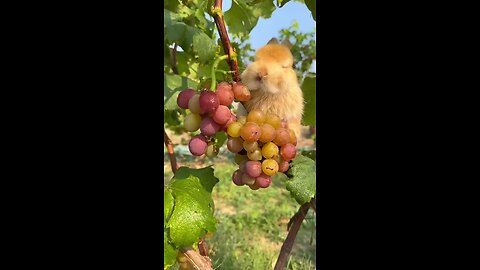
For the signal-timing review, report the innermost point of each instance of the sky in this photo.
(281, 18)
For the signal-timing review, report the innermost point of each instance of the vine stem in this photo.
(296, 222)
(171, 153)
(216, 12)
(198, 261)
(214, 67)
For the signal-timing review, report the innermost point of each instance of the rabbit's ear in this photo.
(273, 41)
(287, 43)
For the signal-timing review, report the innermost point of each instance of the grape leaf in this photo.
(302, 179)
(169, 252)
(281, 3)
(312, 6)
(188, 37)
(167, 205)
(242, 16)
(221, 138)
(192, 216)
(309, 87)
(172, 85)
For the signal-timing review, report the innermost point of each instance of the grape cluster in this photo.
(210, 112)
(263, 145)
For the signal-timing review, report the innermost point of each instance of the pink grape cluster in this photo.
(263, 144)
(210, 112)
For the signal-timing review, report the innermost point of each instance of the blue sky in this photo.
(281, 18)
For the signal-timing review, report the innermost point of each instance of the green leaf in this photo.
(192, 216)
(188, 37)
(310, 154)
(281, 3)
(242, 16)
(312, 6)
(167, 205)
(221, 138)
(302, 179)
(309, 87)
(169, 252)
(172, 85)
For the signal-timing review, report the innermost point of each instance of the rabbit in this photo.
(273, 85)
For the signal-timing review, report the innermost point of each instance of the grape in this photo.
(198, 145)
(263, 180)
(284, 124)
(208, 127)
(240, 158)
(242, 119)
(254, 186)
(255, 155)
(269, 167)
(253, 168)
(247, 180)
(184, 97)
(250, 146)
(194, 104)
(269, 150)
(224, 93)
(233, 129)
(237, 178)
(192, 122)
(243, 166)
(241, 92)
(282, 136)
(283, 165)
(212, 150)
(267, 133)
(288, 151)
(222, 115)
(256, 116)
(208, 101)
(293, 137)
(232, 119)
(235, 145)
(273, 120)
(250, 132)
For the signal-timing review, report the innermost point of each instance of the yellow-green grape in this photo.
(250, 146)
(192, 122)
(233, 130)
(269, 167)
(256, 116)
(242, 119)
(194, 104)
(269, 150)
(273, 120)
(255, 155)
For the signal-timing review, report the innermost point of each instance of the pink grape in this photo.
(235, 145)
(208, 101)
(237, 178)
(225, 93)
(208, 127)
(184, 97)
(288, 151)
(247, 179)
(263, 180)
(222, 115)
(232, 119)
(283, 165)
(198, 145)
(253, 168)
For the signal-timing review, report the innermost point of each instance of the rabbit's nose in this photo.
(261, 75)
